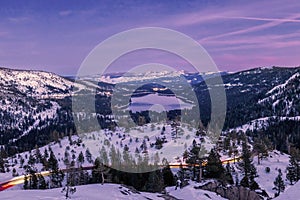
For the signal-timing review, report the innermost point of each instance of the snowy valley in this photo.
(258, 146)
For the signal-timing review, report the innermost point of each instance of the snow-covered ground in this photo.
(172, 150)
(87, 192)
(275, 161)
(291, 193)
(93, 141)
(189, 192)
(109, 192)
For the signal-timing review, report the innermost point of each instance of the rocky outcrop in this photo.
(231, 192)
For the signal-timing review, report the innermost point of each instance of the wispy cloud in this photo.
(266, 19)
(65, 12)
(268, 31)
(273, 23)
(254, 39)
(19, 19)
(200, 17)
(79, 12)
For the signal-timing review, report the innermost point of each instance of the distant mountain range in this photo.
(34, 104)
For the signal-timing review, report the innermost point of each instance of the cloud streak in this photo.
(64, 34)
(267, 19)
(270, 24)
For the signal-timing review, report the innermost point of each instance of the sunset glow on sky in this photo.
(56, 36)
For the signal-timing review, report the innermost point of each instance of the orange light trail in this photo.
(20, 179)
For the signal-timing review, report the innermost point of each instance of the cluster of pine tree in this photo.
(293, 170)
(249, 170)
(132, 171)
(33, 179)
(279, 185)
(200, 167)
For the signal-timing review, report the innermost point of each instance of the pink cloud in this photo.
(253, 28)
(266, 19)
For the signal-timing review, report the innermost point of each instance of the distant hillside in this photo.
(35, 104)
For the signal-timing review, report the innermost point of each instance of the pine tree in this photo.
(104, 157)
(237, 181)
(167, 174)
(214, 167)
(80, 158)
(181, 174)
(88, 156)
(14, 172)
(26, 183)
(56, 176)
(83, 177)
(70, 175)
(279, 184)
(136, 151)
(3, 153)
(46, 154)
(53, 163)
(33, 180)
(194, 159)
(38, 155)
(99, 172)
(245, 181)
(41, 182)
(21, 162)
(155, 182)
(31, 160)
(72, 178)
(227, 177)
(144, 147)
(2, 162)
(127, 163)
(112, 155)
(260, 148)
(67, 158)
(249, 170)
(293, 170)
(145, 164)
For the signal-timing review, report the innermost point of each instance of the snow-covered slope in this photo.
(193, 78)
(129, 77)
(291, 193)
(30, 100)
(110, 192)
(284, 98)
(284, 85)
(189, 192)
(264, 122)
(275, 161)
(34, 83)
(134, 139)
(86, 192)
(276, 100)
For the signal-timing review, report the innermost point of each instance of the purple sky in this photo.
(56, 35)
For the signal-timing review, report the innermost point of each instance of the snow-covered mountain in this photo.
(29, 101)
(35, 110)
(115, 78)
(35, 84)
(29, 98)
(284, 98)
